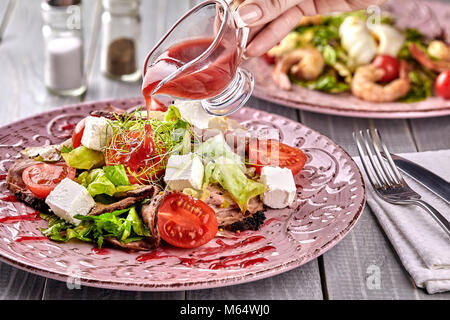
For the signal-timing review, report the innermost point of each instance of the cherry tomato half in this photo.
(42, 178)
(266, 152)
(442, 84)
(389, 64)
(186, 222)
(78, 133)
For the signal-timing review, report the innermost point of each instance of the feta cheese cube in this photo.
(280, 186)
(97, 133)
(184, 171)
(193, 112)
(69, 199)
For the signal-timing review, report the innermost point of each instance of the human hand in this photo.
(271, 20)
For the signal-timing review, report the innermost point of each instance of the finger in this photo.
(329, 6)
(274, 32)
(363, 4)
(253, 13)
(308, 7)
(254, 32)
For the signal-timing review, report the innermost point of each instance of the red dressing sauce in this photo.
(199, 82)
(100, 251)
(269, 221)
(69, 126)
(9, 199)
(241, 260)
(31, 238)
(24, 217)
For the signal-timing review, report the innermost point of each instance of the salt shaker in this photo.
(63, 37)
(120, 39)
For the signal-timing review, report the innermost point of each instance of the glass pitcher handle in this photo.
(243, 32)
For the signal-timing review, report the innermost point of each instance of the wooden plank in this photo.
(347, 267)
(300, 283)
(431, 133)
(16, 284)
(56, 290)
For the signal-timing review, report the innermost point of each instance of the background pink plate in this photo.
(431, 18)
(330, 199)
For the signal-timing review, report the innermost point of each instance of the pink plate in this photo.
(330, 199)
(431, 18)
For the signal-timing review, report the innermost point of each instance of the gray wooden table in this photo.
(341, 273)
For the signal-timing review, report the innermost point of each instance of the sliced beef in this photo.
(229, 216)
(16, 185)
(144, 192)
(217, 197)
(131, 198)
(146, 244)
(220, 199)
(149, 213)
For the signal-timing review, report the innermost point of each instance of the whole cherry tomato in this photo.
(390, 66)
(442, 84)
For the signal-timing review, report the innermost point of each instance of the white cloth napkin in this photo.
(421, 244)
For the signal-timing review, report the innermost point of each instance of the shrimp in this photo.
(426, 61)
(305, 63)
(365, 86)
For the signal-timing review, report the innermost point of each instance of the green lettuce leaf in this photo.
(62, 231)
(327, 82)
(226, 168)
(84, 158)
(124, 225)
(229, 176)
(121, 190)
(216, 147)
(96, 182)
(137, 224)
(113, 224)
(172, 114)
(421, 86)
(117, 175)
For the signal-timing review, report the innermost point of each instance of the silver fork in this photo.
(385, 177)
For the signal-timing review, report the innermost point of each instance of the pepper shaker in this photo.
(64, 53)
(120, 39)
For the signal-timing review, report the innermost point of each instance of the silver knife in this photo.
(425, 177)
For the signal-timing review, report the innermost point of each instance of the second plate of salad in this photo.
(387, 62)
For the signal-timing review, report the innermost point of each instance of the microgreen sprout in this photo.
(129, 133)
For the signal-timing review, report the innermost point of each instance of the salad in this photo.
(375, 62)
(136, 179)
